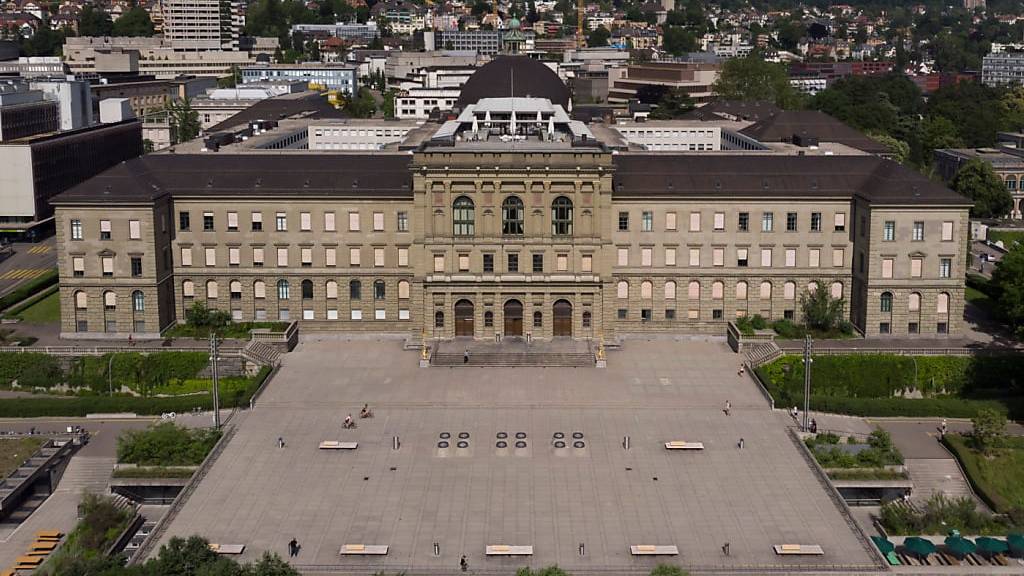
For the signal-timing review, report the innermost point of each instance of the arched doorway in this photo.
(513, 312)
(562, 318)
(464, 318)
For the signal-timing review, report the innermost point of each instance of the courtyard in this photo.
(600, 496)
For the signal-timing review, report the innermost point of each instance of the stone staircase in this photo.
(934, 475)
(261, 353)
(511, 358)
(762, 353)
(86, 474)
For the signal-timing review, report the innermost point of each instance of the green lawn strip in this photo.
(154, 472)
(867, 474)
(1007, 236)
(19, 294)
(234, 330)
(999, 479)
(45, 310)
(14, 452)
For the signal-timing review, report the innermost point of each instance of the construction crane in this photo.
(581, 41)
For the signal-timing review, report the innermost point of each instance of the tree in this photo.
(678, 40)
(549, 571)
(134, 22)
(388, 107)
(598, 37)
(752, 78)
(989, 428)
(361, 105)
(977, 181)
(668, 570)
(674, 103)
(822, 311)
(1008, 289)
(183, 120)
(938, 132)
(899, 149)
(94, 22)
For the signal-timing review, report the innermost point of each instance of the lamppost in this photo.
(214, 352)
(110, 375)
(807, 380)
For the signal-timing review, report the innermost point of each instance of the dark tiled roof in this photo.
(248, 175)
(875, 179)
(527, 76)
(782, 126)
(719, 109)
(309, 105)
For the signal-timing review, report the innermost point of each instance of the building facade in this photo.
(332, 77)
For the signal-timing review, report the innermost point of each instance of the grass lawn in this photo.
(997, 478)
(14, 451)
(45, 311)
(1007, 236)
(978, 298)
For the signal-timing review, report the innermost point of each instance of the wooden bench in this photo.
(28, 562)
(653, 550)
(337, 445)
(232, 549)
(798, 550)
(680, 445)
(9, 572)
(506, 550)
(49, 535)
(37, 553)
(48, 546)
(364, 550)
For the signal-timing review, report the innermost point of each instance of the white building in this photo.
(357, 135)
(808, 85)
(73, 98)
(675, 136)
(418, 102)
(196, 25)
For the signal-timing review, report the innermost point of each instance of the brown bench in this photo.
(798, 550)
(232, 549)
(364, 550)
(337, 445)
(680, 445)
(653, 550)
(506, 550)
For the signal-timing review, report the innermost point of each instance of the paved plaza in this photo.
(602, 496)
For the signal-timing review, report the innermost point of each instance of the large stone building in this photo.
(511, 219)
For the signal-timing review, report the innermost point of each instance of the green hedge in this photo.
(139, 372)
(16, 310)
(48, 279)
(30, 369)
(166, 444)
(917, 408)
(82, 405)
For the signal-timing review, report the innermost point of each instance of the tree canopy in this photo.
(598, 37)
(1008, 289)
(752, 78)
(134, 22)
(94, 22)
(979, 182)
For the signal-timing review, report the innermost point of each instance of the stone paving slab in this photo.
(605, 497)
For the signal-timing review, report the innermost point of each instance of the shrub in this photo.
(30, 369)
(668, 570)
(48, 279)
(166, 444)
(989, 428)
(199, 316)
(759, 323)
(940, 515)
(787, 330)
(549, 571)
(821, 311)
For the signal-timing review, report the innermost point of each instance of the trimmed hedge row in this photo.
(28, 303)
(82, 405)
(918, 408)
(48, 279)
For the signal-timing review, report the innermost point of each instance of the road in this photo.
(29, 261)
(979, 264)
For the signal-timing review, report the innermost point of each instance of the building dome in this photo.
(514, 76)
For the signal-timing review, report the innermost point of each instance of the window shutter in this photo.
(329, 221)
(330, 257)
(305, 221)
(233, 256)
(232, 219)
(78, 264)
(211, 256)
(108, 265)
(134, 230)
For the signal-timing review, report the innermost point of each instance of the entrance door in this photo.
(464, 318)
(562, 317)
(513, 312)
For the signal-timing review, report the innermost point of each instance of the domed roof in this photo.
(527, 76)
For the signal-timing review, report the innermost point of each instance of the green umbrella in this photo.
(959, 546)
(991, 546)
(884, 545)
(1016, 543)
(918, 546)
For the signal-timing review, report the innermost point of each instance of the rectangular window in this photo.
(562, 262)
(234, 256)
(719, 223)
(815, 221)
(281, 222)
(329, 224)
(889, 231)
(232, 221)
(717, 314)
(718, 256)
(942, 328)
(766, 257)
(912, 328)
(330, 257)
(134, 230)
(538, 263)
(863, 225)
(257, 221)
(378, 257)
(743, 223)
(884, 328)
(694, 221)
(918, 232)
(78, 266)
(623, 221)
(257, 257)
(353, 221)
(587, 263)
(814, 258)
(621, 313)
(945, 267)
(353, 256)
(438, 262)
(790, 221)
(694, 256)
(623, 257)
(646, 221)
(645, 256)
(356, 315)
(838, 256)
(915, 267)
(104, 229)
(790, 257)
(646, 314)
(208, 221)
(186, 255)
(741, 257)
(403, 222)
(306, 257)
(513, 262)
(887, 268)
(670, 221)
(378, 221)
(305, 221)
(136, 263)
(670, 256)
(282, 257)
(670, 314)
(947, 231)
(840, 221)
(184, 222)
(211, 256)
(488, 262)
(108, 265)
(767, 221)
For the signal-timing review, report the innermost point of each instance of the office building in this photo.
(338, 77)
(200, 25)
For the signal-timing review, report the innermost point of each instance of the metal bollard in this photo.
(437, 549)
(395, 443)
(582, 549)
(625, 442)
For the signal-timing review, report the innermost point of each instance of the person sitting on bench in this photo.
(366, 412)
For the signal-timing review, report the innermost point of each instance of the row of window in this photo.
(306, 289)
(916, 264)
(109, 299)
(106, 230)
(742, 257)
(305, 221)
(305, 257)
(512, 262)
(106, 266)
(917, 231)
(885, 302)
(718, 290)
(742, 221)
(512, 212)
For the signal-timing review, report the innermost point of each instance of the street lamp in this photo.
(214, 346)
(110, 374)
(807, 379)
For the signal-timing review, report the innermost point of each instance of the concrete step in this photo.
(569, 359)
(87, 474)
(935, 475)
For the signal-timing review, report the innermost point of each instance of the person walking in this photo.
(465, 356)
(280, 442)
(725, 548)
(293, 548)
(463, 563)
(728, 408)
(741, 371)
(740, 444)
(942, 429)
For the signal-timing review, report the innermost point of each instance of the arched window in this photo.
(488, 319)
(81, 301)
(942, 304)
(355, 290)
(622, 289)
(438, 319)
(646, 290)
(812, 287)
(766, 290)
(307, 289)
(741, 290)
(463, 217)
(282, 289)
(188, 289)
(512, 216)
(586, 319)
(379, 292)
(259, 289)
(538, 319)
(837, 290)
(332, 289)
(914, 302)
(211, 289)
(693, 290)
(561, 216)
(403, 290)
(789, 291)
(885, 302)
(235, 287)
(717, 290)
(670, 290)
(109, 300)
(1011, 182)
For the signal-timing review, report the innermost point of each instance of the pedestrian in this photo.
(293, 548)
(728, 408)
(741, 371)
(463, 563)
(130, 341)
(794, 413)
(725, 548)
(280, 442)
(740, 444)
(942, 428)
(465, 356)
(814, 426)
